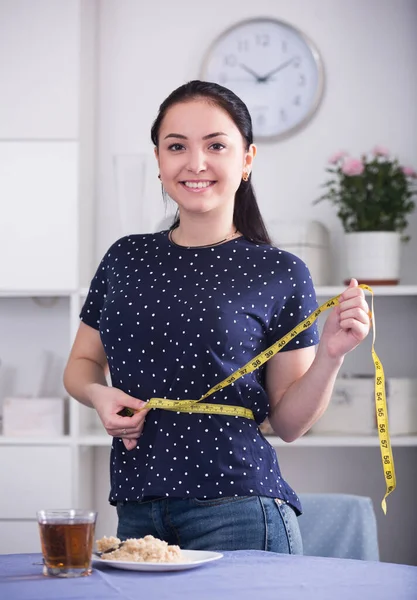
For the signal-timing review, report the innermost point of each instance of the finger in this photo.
(351, 292)
(353, 283)
(355, 313)
(356, 328)
(128, 436)
(115, 424)
(130, 444)
(128, 422)
(356, 302)
(131, 402)
(126, 432)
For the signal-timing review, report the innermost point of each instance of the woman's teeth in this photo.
(195, 184)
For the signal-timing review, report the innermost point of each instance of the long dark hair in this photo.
(246, 216)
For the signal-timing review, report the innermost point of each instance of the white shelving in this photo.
(64, 440)
(382, 290)
(86, 447)
(84, 427)
(332, 441)
(308, 441)
(36, 293)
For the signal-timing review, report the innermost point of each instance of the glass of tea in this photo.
(67, 541)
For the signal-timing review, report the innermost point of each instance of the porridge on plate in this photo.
(146, 549)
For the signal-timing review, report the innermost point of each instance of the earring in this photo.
(245, 175)
(159, 176)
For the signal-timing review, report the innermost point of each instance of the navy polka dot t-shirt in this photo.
(175, 321)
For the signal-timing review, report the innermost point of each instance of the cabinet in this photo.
(39, 230)
(47, 127)
(46, 143)
(72, 470)
(39, 78)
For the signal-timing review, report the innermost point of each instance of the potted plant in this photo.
(373, 196)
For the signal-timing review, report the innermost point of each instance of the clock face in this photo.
(274, 69)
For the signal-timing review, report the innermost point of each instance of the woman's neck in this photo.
(203, 231)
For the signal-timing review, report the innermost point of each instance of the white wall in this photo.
(369, 48)
(146, 49)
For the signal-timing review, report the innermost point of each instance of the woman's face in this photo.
(201, 156)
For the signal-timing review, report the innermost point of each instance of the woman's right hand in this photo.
(108, 401)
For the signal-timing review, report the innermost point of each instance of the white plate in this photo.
(193, 558)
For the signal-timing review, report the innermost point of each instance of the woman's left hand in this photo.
(348, 323)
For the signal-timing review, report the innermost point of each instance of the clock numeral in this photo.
(301, 79)
(284, 46)
(243, 46)
(297, 101)
(260, 120)
(283, 115)
(222, 78)
(230, 60)
(262, 39)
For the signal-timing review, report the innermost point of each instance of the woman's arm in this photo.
(86, 365)
(84, 380)
(300, 382)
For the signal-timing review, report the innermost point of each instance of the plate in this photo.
(193, 558)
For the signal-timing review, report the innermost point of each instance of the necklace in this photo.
(229, 237)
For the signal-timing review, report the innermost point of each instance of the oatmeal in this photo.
(146, 549)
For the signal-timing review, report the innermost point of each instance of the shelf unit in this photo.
(86, 430)
(308, 441)
(329, 291)
(83, 452)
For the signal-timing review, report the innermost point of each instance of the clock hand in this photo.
(282, 66)
(248, 70)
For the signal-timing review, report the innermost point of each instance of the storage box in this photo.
(309, 240)
(33, 416)
(402, 405)
(352, 408)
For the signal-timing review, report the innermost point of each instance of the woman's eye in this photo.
(217, 146)
(176, 147)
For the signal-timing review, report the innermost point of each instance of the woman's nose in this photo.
(197, 162)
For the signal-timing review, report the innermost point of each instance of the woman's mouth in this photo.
(197, 186)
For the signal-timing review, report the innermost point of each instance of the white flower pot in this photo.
(373, 257)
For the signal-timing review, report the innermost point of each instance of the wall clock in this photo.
(274, 68)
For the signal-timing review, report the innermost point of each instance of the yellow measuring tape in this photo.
(197, 406)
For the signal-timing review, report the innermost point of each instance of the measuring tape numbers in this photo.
(197, 406)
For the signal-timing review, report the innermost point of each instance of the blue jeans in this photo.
(235, 523)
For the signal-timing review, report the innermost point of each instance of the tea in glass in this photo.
(67, 538)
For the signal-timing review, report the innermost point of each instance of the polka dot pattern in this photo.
(175, 321)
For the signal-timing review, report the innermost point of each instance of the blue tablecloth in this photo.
(240, 575)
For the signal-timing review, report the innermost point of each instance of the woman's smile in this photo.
(197, 186)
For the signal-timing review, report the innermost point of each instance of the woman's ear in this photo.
(250, 155)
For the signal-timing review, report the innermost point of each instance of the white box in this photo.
(309, 240)
(402, 406)
(39, 226)
(352, 408)
(33, 416)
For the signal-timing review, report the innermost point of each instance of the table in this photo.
(240, 575)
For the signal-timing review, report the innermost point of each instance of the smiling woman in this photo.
(204, 145)
(176, 312)
(202, 172)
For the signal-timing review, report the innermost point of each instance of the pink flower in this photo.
(353, 166)
(380, 151)
(409, 172)
(337, 156)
